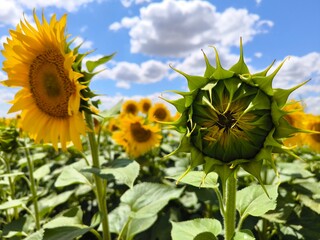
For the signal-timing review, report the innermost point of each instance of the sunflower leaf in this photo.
(91, 65)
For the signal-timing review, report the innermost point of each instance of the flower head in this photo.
(159, 112)
(136, 136)
(39, 60)
(232, 118)
(130, 107)
(145, 104)
(313, 140)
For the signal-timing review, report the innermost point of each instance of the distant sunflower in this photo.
(313, 140)
(159, 112)
(39, 60)
(130, 107)
(113, 125)
(136, 136)
(145, 104)
(296, 117)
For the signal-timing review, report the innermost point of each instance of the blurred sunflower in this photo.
(159, 112)
(136, 136)
(130, 107)
(313, 140)
(145, 104)
(113, 125)
(39, 60)
(296, 117)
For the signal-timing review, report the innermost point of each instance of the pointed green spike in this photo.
(264, 72)
(240, 67)
(209, 68)
(220, 73)
(194, 82)
(179, 104)
(285, 130)
(254, 168)
(264, 83)
(282, 95)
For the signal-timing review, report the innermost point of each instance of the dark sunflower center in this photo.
(50, 84)
(131, 108)
(160, 114)
(139, 133)
(226, 121)
(316, 137)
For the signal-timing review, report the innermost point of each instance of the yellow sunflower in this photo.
(39, 60)
(136, 136)
(159, 112)
(313, 140)
(130, 107)
(297, 118)
(145, 104)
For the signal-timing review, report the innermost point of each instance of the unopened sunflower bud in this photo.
(232, 118)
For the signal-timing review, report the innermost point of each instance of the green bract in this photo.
(232, 118)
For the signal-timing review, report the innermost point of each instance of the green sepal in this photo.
(194, 82)
(220, 73)
(184, 146)
(179, 125)
(91, 65)
(179, 104)
(209, 68)
(264, 72)
(240, 67)
(188, 96)
(281, 95)
(254, 168)
(285, 129)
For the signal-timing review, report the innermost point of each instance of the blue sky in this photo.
(149, 35)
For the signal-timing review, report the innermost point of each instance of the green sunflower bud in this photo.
(232, 118)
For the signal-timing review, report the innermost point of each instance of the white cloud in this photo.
(84, 44)
(258, 54)
(176, 28)
(10, 13)
(126, 73)
(128, 3)
(126, 22)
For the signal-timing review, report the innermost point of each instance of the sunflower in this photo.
(296, 117)
(136, 136)
(313, 140)
(130, 107)
(145, 104)
(159, 112)
(39, 60)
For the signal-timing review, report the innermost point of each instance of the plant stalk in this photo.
(33, 188)
(230, 207)
(100, 184)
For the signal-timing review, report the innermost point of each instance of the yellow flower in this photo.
(136, 136)
(296, 118)
(159, 112)
(130, 107)
(313, 140)
(145, 104)
(113, 125)
(39, 60)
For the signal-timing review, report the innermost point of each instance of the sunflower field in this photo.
(236, 159)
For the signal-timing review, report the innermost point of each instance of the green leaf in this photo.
(125, 171)
(91, 65)
(199, 179)
(147, 199)
(254, 201)
(42, 171)
(47, 204)
(138, 225)
(11, 204)
(313, 204)
(36, 236)
(205, 236)
(189, 230)
(243, 235)
(66, 232)
(70, 176)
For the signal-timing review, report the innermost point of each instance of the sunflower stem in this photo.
(230, 207)
(100, 190)
(33, 189)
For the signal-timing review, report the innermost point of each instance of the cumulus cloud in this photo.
(84, 44)
(10, 13)
(126, 73)
(176, 28)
